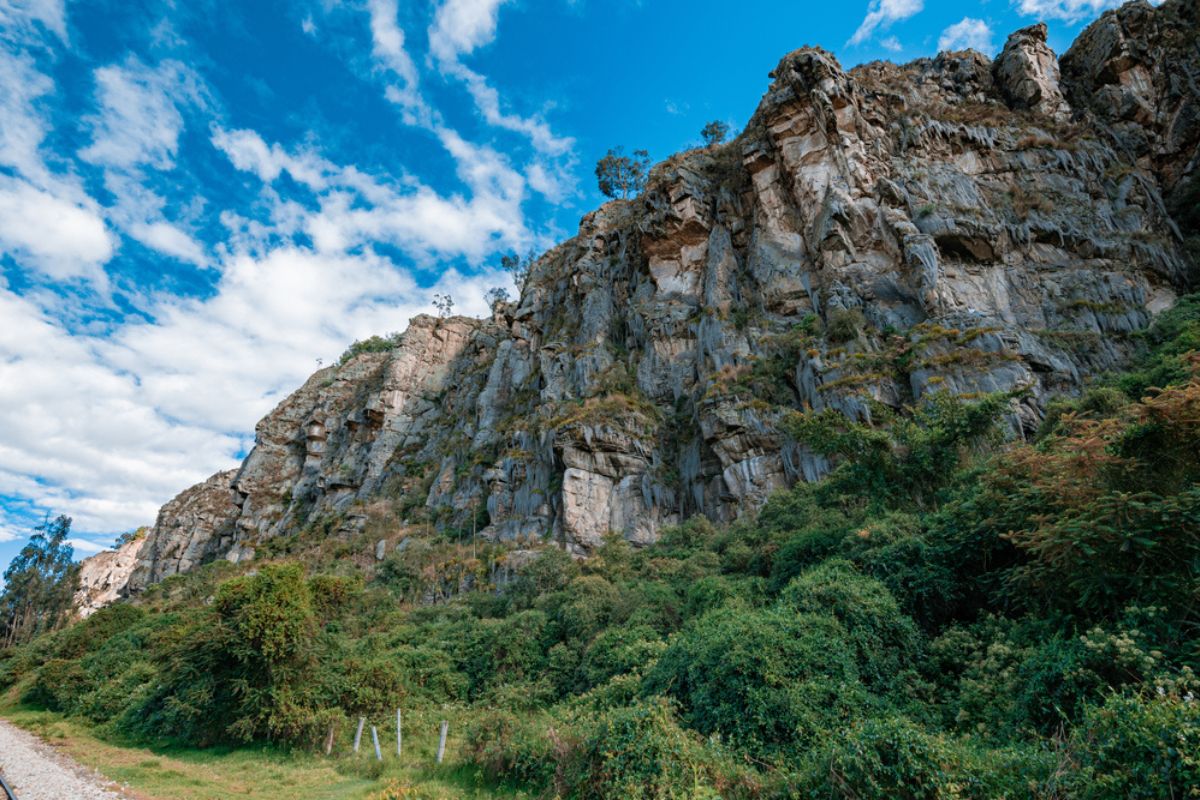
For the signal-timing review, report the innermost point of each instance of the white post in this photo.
(375, 741)
(442, 741)
(358, 733)
(399, 735)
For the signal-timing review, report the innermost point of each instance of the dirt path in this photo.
(36, 772)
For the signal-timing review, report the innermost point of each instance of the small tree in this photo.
(495, 296)
(714, 132)
(39, 584)
(444, 304)
(620, 175)
(513, 265)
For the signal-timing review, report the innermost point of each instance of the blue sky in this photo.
(199, 200)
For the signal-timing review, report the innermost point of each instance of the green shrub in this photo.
(765, 680)
(531, 752)
(1137, 747)
(57, 685)
(617, 651)
(372, 344)
(641, 753)
(844, 325)
(891, 757)
(885, 642)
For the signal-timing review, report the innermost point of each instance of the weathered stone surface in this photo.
(1027, 73)
(873, 236)
(103, 577)
(194, 528)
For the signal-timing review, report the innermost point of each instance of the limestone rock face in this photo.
(872, 237)
(192, 529)
(1027, 73)
(103, 577)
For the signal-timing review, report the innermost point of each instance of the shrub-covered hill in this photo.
(947, 615)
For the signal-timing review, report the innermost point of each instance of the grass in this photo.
(256, 772)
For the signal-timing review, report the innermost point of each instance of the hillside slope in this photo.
(872, 237)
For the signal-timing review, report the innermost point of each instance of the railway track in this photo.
(9, 794)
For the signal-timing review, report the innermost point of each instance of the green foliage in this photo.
(885, 642)
(766, 680)
(1137, 747)
(714, 132)
(619, 175)
(892, 757)
(529, 751)
(39, 584)
(844, 325)
(642, 753)
(1172, 339)
(907, 458)
(372, 344)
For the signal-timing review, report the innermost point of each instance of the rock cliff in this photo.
(103, 577)
(874, 235)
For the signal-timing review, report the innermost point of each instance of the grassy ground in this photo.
(259, 773)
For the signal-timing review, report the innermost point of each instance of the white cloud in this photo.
(169, 240)
(135, 133)
(967, 33)
(24, 128)
(249, 153)
(56, 236)
(18, 17)
(459, 28)
(881, 14)
(354, 208)
(106, 429)
(462, 26)
(1069, 11)
(891, 44)
(387, 38)
(139, 121)
(85, 546)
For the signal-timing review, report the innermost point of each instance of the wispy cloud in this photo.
(387, 39)
(46, 218)
(968, 32)
(21, 18)
(881, 14)
(1069, 11)
(135, 133)
(459, 28)
(86, 546)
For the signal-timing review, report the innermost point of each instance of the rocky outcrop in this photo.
(194, 528)
(872, 237)
(104, 576)
(1026, 71)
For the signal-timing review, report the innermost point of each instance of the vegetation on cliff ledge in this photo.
(945, 616)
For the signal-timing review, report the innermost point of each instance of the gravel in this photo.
(36, 772)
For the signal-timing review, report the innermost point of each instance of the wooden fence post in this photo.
(442, 741)
(358, 733)
(329, 740)
(375, 741)
(399, 735)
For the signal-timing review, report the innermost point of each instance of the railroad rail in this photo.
(8, 792)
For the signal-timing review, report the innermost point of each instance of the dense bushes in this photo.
(946, 616)
(766, 680)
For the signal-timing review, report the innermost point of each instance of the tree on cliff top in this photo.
(714, 132)
(620, 175)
